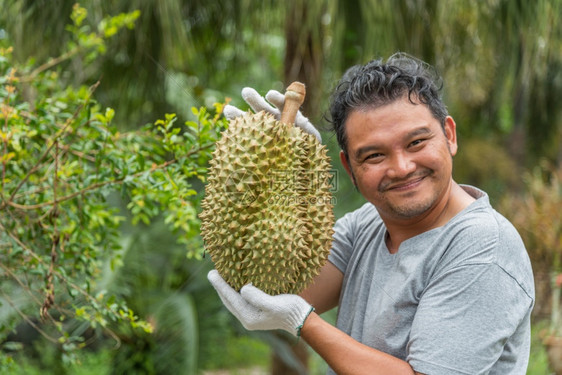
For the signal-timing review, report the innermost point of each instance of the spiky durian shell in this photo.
(267, 214)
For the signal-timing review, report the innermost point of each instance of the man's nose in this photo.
(401, 165)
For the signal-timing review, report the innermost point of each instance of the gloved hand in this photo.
(258, 103)
(257, 310)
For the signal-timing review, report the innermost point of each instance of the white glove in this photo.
(258, 103)
(257, 310)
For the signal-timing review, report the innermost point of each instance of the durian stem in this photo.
(294, 97)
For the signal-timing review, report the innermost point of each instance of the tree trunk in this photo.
(304, 52)
(299, 365)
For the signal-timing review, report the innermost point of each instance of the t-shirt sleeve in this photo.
(342, 242)
(464, 319)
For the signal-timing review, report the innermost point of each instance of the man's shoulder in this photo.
(484, 224)
(483, 235)
(358, 228)
(367, 214)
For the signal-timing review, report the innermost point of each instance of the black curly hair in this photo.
(376, 84)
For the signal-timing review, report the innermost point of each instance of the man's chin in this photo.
(406, 210)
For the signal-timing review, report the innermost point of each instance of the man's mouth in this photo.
(410, 183)
(406, 185)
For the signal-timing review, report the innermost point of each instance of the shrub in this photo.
(60, 158)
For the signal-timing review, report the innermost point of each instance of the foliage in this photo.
(159, 283)
(484, 163)
(238, 352)
(538, 360)
(61, 156)
(235, 352)
(180, 54)
(536, 215)
(87, 363)
(556, 308)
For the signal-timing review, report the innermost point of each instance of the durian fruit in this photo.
(267, 214)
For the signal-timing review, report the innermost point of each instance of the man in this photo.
(428, 278)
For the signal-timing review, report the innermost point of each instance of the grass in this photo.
(87, 363)
(239, 352)
(538, 360)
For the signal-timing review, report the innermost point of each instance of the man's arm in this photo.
(257, 310)
(346, 355)
(324, 292)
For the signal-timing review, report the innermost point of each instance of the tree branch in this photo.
(29, 321)
(55, 273)
(85, 190)
(49, 64)
(53, 142)
(50, 289)
(23, 286)
(99, 185)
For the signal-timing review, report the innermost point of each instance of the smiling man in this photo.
(399, 156)
(427, 276)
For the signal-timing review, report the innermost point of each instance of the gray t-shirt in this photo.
(454, 300)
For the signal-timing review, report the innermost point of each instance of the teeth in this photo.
(267, 216)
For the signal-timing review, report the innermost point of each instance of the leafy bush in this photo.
(536, 215)
(60, 158)
(484, 163)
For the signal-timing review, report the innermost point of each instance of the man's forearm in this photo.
(346, 355)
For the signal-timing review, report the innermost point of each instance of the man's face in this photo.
(400, 158)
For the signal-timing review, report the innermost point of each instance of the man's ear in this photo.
(345, 162)
(451, 134)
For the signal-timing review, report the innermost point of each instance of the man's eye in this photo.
(373, 156)
(417, 142)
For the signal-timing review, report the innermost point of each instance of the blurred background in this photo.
(501, 61)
